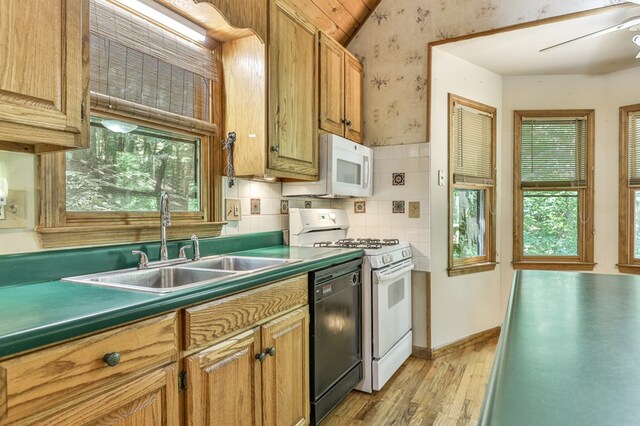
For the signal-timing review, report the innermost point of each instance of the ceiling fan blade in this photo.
(626, 24)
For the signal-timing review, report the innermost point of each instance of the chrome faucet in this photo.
(165, 220)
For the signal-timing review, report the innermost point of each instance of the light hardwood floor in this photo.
(446, 391)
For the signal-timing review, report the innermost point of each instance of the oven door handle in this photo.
(393, 275)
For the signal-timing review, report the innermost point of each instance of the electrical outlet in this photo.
(414, 209)
(232, 209)
(14, 214)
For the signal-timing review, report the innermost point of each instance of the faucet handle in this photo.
(196, 247)
(144, 259)
(182, 254)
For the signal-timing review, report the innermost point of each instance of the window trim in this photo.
(488, 261)
(627, 263)
(584, 260)
(57, 228)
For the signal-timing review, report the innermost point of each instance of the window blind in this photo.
(634, 149)
(472, 136)
(143, 71)
(553, 152)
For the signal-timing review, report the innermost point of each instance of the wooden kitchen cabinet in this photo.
(75, 383)
(45, 76)
(271, 97)
(257, 377)
(340, 88)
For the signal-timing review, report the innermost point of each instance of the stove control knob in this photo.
(386, 259)
(332, 216)
(406, 252)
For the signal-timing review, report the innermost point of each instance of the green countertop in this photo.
(569, 352)
(37, 314)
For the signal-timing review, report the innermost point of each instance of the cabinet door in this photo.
(43, 75)
(292, 92)
(149, 400)
(285, 371)
(224, 383)
(353, 76)
(331, 88)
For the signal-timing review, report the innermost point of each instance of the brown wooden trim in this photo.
(18, 147)
(72, 236)
(420, 352)
(584, 261)
(465, 342)
(3, 392)
(553, 265)
(471, 269)
(486, 262)
(626, 217)
(360, 25)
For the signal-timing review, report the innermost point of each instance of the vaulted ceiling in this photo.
(339, 18)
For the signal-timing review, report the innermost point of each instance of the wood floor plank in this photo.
(446, 391)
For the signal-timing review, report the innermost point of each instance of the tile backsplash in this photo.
(401, 179)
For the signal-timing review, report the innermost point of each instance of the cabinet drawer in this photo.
(36, 380)
(210, 321)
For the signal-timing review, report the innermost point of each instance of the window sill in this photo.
(471, 269)
(629, 268)
(94, 235)
(553, 265)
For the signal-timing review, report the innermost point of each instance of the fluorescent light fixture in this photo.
(167, 18)
(118, 126)
(4, 185)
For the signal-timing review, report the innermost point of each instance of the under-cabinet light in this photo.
(167, 18)
(118, 126)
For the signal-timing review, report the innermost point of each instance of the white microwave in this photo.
(345, 170)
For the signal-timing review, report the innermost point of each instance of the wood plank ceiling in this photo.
(339, 18)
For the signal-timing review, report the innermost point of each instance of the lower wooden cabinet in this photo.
(151, 399)
(260, 377)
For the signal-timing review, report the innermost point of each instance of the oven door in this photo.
(391, 305)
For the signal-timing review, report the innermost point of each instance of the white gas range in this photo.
(386, 289)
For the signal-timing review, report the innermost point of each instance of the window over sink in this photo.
(153, 100)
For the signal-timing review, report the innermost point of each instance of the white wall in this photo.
(605, 94)
(467, 304)
(21, 175)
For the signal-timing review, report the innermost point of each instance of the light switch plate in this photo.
(414, 209)
(441, 177)
(15, 212)
(232, 209)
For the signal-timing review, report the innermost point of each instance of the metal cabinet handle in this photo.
(346, 122)
(260, 356)
(271, 351)
(112, 359)
(275, 148)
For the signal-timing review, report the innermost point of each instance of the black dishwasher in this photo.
(336, 335)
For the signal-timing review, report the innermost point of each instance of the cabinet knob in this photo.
(271, 351)
(260, 356)
(275, 148)
(112, 359)
(348, 123)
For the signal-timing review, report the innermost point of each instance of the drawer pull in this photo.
(271, 351)
(260, 356)
(112, 359)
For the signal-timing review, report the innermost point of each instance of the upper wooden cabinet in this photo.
(341, 76)
(271, 97)
(44, 75)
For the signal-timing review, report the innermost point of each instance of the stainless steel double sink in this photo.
(186, 275)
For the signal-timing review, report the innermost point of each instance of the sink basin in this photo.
(239, 263)
(161, 280)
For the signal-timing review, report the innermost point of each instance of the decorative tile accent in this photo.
(255, 206)
(397, 207)
(307, 204)
(398, 179)
(284, 206)
(359, 206)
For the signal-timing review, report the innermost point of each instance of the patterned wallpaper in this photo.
(392, 45)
